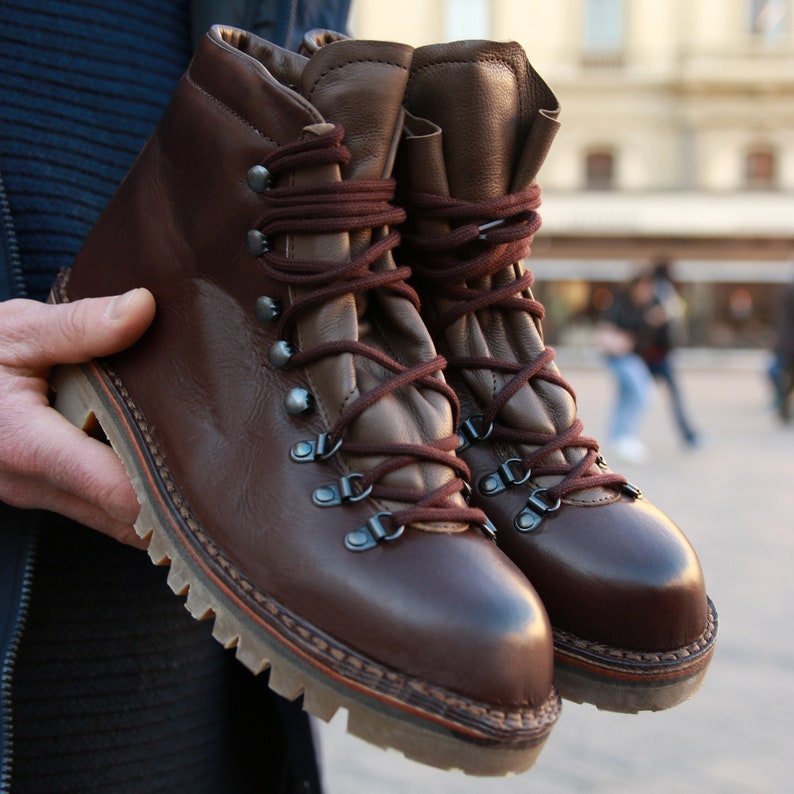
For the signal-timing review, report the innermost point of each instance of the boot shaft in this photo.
(214, 236)
(497, 117)
(467, 176)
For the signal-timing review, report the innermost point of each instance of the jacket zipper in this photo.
(9, 663)
(16, 281)
(16, 284)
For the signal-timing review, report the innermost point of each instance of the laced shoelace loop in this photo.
(345, 206)
(486, 238)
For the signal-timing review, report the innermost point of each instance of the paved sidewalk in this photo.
(735, 500)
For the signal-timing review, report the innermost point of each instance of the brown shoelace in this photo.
(343, 207)
(449, 264)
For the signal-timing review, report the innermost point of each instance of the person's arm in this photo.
(45, 462)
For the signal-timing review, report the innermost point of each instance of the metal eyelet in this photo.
(535, 511)
(469, 434)
(372, 534)
(256, 243)
(279, 354)
(488, 529)
(298, 401)
(503, 478)
(267, 309)
(259, 179)
(631, 490)
(340, 493)
(311, 451)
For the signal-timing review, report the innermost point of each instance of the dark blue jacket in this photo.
(280, 21)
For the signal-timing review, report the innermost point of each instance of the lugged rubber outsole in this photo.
(615, 679)
(290, 649)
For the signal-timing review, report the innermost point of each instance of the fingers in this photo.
(46, 498)
(61, 469)
(38, 335)
(72, 462)
(45, 462)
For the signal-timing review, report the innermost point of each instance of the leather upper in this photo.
(435, 604)
(609, 568)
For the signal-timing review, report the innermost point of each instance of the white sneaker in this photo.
(630, 450)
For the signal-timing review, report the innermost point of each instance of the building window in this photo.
(467, 19)
(599, 170)
(768, 20)
(760, 169)
(604, 32)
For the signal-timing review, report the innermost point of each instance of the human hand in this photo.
(46, 462)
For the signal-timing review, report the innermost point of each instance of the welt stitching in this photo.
(686, 653)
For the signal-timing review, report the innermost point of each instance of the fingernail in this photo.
(117, 307)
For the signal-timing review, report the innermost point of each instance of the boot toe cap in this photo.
(472, 624)
(622, 574)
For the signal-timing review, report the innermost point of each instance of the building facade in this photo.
(677, 141)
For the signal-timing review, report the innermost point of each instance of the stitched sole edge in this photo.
(616, 679)
(293, 653)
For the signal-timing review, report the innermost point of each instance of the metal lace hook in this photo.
(372, 534)
(535, 511)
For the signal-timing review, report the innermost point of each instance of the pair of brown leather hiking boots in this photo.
(395, 512)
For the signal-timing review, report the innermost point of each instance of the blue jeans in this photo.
(633, 393)
(663, 370)
(781, 372)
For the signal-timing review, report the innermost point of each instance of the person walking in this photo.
(622, 333)
(666, 319)
(784, 355)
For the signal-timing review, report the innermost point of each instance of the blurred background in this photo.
(677, 142)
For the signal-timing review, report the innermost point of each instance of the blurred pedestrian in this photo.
(667, 330)
(621, 333)
(784, 355)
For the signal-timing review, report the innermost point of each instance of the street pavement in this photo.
(734, 498)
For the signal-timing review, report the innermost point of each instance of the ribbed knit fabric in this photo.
(83, 85)
(116, 689)
(119, 691)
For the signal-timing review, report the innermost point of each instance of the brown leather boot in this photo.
(284, 420)
(633, 628)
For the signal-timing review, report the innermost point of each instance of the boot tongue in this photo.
(361, 85)
(367, 102)
(490, 105)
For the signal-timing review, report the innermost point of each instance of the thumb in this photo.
(70, 333)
